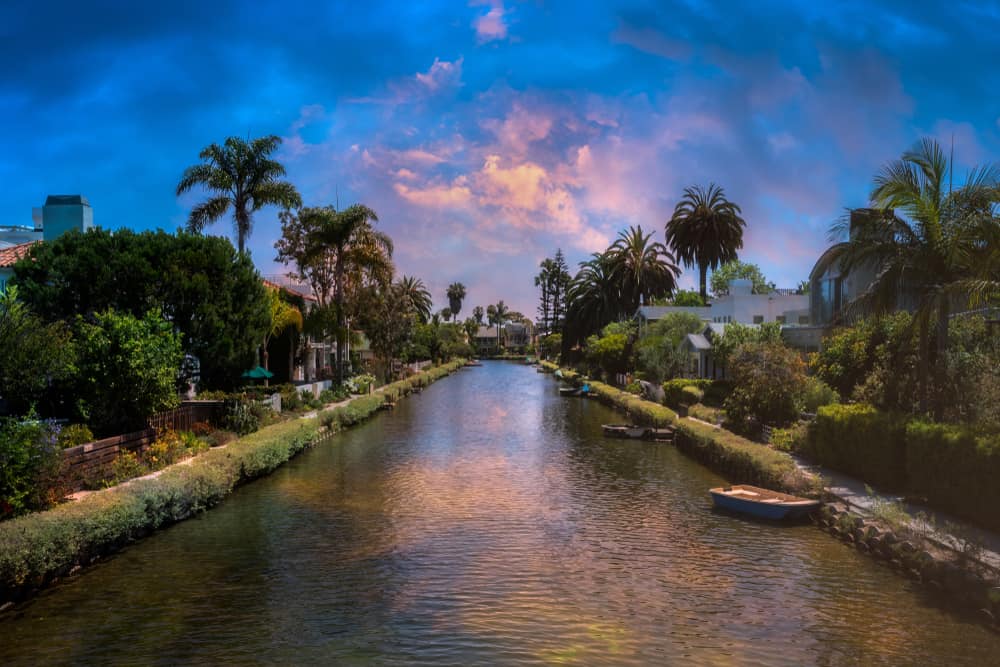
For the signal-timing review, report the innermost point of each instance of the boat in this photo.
(762, 503)
(630, 431)
(570, 391)
(473, 362)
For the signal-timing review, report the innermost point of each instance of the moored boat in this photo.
(762, 503)
(630, 431)
(569, 391)
(473, 362)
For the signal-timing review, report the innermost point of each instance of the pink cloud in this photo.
(441, 74)
(490, 26)
(436, 196)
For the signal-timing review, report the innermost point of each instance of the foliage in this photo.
(239, 174)
(707, 414)
(955, 469)
(643, 268)
(733, 270)
(768, 380)
(127, 369)
(456, 294)
(359, 384)
(32, 354)
(816, 394)
(125, 466)
(673, 390)
(658, 355)
(612, 350)
(73, 435)
(554, 280)
(241, 415)
(551, 345)
(170, 447)
(691, 395)
(30, 461)
(640, 410)
(735, 335)
(688, 298)
(282, 316)
(933, 247)
(789, 439)
(861, 441)
(413, 291)
(210, 293)
(706, 230)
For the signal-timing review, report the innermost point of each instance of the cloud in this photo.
(651, 41)
(442, 74)
(490, 26)
(436, 196)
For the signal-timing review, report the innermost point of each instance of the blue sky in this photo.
(490, 133)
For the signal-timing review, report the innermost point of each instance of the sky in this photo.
(488, 134)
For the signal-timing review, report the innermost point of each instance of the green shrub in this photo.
(124, 467)
(73, 435)
(691, 395)
(955, 470)
(861, 441)
(30, 463)
(790, 439)
(768, 379)
(708, 414)
(634, 388)
(673, 390)
(816, 394)
(743, 461)
(240, 415)
(642, 411)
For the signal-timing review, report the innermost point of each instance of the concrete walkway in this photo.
(944, 530)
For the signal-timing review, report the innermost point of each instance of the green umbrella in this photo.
(259, 373)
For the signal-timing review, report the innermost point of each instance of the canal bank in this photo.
(39, 549)
(949, 560)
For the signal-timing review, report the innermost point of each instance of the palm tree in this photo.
(594, 299)
(446, 314)
(939, 254)
(705, 230)
(283, 315)
(497, 315)
(456, 293)
(357, 250)
(240, 174)
(478, 313)
(645, 269)
(413, 290)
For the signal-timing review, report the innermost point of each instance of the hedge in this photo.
(955, 470)
(861, 441)
(36, 548)
(742, 460)
(715, 391)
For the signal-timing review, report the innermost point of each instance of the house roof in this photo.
(486, 332)
(653, 313)
(10, 254)
(699, 342)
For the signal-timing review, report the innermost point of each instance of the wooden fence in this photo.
(87, 459)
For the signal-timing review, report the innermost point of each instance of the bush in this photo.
(691, 395)
(201, 428)
(673, 390)
(30, 464)
(791, 439)
(707, 414)
(634, 388)
(768, 379)
(955, 470)
(816, 394)
(240, 415)
(642, 411)
(73, 435)
(861, 441)
(124, 467)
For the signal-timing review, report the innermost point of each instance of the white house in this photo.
(741, 305)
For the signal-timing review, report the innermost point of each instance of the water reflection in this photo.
(486, 521)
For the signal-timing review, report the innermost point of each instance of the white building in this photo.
(741, 305)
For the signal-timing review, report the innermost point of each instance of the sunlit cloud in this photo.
(490, 26)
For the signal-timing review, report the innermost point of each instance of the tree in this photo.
(478, 313)
(283, 315)
(456, 293)
(471, 328)
(658, 347)
(736, 269)
(689, 298)
(735, 335)
(127, 369)
(559, 283)
(239, 174)
(611, 351)
(939, 252)
(644, 269)
(415, 293)
(593, 300)
(33, 354)
(389, 320)
(500, 314)
(705, 230)
(446, 314)
(768, 383)
(543, 281)
(210, 293)
(336, 251)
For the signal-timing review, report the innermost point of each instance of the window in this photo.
(803, 319)
(780, 319)
(758, 319)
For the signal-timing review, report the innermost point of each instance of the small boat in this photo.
(473, 362)
(570, 391)
(762, 503)
(630, 431)
(540, 370)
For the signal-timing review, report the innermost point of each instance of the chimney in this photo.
(63, 213)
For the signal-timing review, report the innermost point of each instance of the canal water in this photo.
(486, 521)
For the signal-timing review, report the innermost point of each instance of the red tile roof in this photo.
(10, 254)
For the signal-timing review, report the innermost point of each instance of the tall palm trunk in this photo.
(941, 365)
(702, 282)
(339, 300)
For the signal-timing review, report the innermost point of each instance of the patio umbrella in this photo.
(259, 373)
